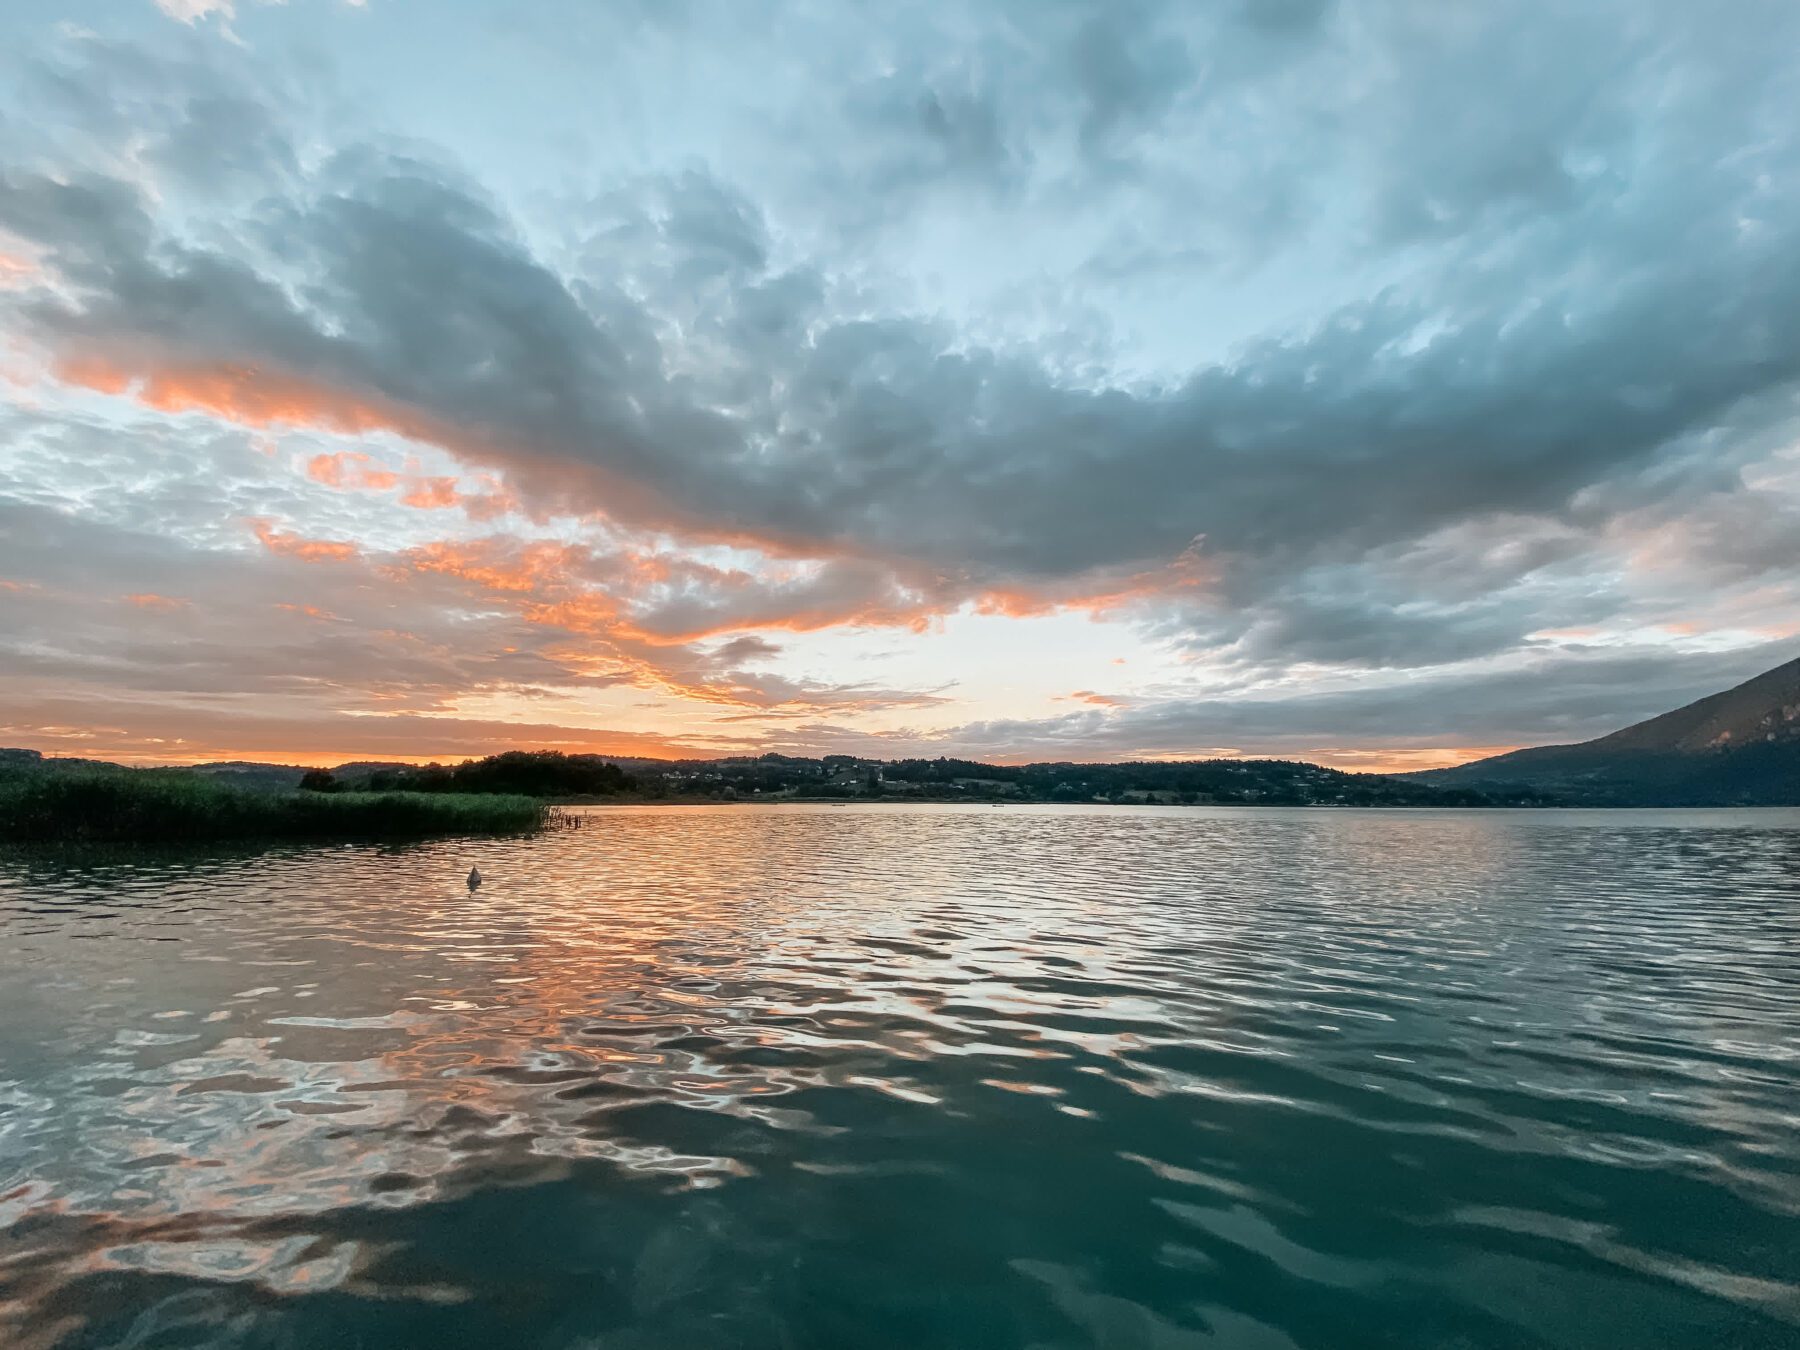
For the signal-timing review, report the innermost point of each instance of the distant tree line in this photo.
(1267, 782)
(530, 773)
(1262, 782)
(1277, 782)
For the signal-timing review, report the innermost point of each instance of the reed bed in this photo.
(173, 805)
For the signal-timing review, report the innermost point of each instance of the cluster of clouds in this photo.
(1512, 410)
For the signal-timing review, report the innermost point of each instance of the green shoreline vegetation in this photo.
(101, 804)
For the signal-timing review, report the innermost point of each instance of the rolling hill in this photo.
(1736, 748)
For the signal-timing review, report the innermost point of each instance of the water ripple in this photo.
(914, 1076)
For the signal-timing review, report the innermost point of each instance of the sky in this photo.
(1384, 383)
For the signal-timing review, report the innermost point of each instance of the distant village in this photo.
(774, 777)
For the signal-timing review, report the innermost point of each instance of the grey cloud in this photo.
(1235, 123)
(922, 130)
(1378, 633)
(1549, 699)
(421, 296)
(1128, 72)
(106, 607)
(1587, 315)
(220, 622)
(742, 651)
(204, 127)
(1283, 16)
(1472, 590)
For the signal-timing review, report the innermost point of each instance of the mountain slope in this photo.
(1736, 748)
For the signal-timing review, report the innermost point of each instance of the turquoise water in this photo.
(915, 1077)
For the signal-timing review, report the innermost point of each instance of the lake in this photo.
(846, 1076)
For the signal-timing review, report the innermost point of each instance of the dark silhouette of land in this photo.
(84, 801)
(1737, 748)
(554, 776)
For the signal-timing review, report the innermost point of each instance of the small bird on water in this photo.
(474, 877)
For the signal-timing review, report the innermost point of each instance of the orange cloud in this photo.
(656, 598)
(297, 546)
(16, 270)
(432, 494)
(92, 373)
(259, 397)
(354, 470)
(236, 393)
(626, 603)
(349, 469)
(600, 600)
(262, 398)
(149, 600)
(1187, 574)
(147, 732)
(310, 611)
(531, 568)
(666, 600)
(1402, 761)
(1098, 700)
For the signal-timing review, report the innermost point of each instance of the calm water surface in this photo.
(839, 1077)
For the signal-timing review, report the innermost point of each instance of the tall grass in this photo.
(172, 805)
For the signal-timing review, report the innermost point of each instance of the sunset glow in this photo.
(340, 424)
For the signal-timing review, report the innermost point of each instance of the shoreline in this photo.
(1434, 809)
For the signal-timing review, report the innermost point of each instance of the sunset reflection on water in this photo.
(676, 1064)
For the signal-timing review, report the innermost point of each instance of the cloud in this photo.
(294, 627)
(428, 314)
(1550, 699)
(292, 545)
(686, 405)
(150, 600)
(193, 11)
(353, 470)
(137, 730)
